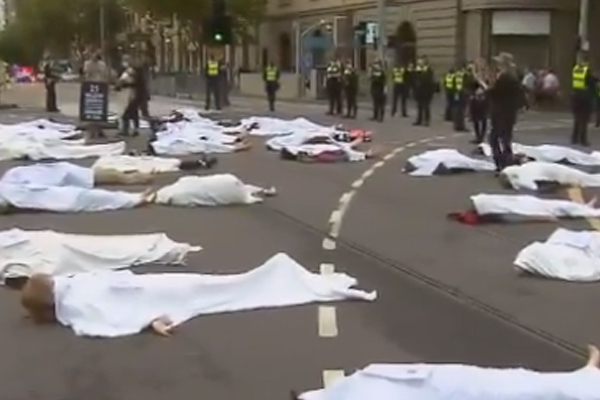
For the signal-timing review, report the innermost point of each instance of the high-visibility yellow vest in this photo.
(449, 81)
(212, 68)
(333, 70)
(398, 75)
(271, 74)
(376, 72)
(459, 80)
(579, 74)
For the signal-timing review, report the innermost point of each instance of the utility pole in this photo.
(102, 23)
(584, 8)
(381, 31)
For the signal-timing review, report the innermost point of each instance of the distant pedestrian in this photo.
(51, 78)
(95, 69)
(271, 79)
(212, 74)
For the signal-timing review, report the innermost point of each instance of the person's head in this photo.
(37, 298)
(97, 56)
(504, 62)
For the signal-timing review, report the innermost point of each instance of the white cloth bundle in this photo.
(24, 253)
(567, 255)
(460, 382)
(550, 153)
(118, 303)
(141, 164)
(212, 190)
(429, 162)
(299, 142)
(527, 175)
(530, 206)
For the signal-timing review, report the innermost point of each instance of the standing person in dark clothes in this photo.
(144, 76)
(399, 89)
(133, 81)
(597, 103)
(506, 98)
(462, 80)
(424, 91)
(50, 79)
(212, 74)
(584, 90)
(479, 110)
(350, 82)
(378, 86)
(271, 78)
(334, 87)
(450, 92)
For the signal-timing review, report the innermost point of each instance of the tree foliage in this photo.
(192, 14)
(18, 46)
(62, 24)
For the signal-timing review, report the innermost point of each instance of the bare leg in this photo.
(114, 177)
(594, 357)
(356, 142)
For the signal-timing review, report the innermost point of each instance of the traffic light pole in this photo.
(381, 31)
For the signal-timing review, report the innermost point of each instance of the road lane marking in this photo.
(327, 268)
(330, 376)
(328, 327)
(328, 244)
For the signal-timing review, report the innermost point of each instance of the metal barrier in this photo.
(178, 85)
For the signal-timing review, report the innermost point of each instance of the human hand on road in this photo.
(163, 326)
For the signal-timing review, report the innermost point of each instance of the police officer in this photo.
(350, 82)
(598, 106)
(271, 79)
(50, 79)
(410, 80)
(424, 90)
(212, 72)
(378, 86)
(400, 90)
(334, 87)
(461, 78)
(450, 92)
(584, 90)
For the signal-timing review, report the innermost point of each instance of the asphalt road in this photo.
(447, 292)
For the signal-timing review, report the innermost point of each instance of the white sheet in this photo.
(142, 164)
(195, 134)
(428, 162)
(43, 139)
(60, 187)
(567, 255)
(268, 126)
(530, 206)
(527, 175)
(211, 190)
(296, 143)
(23, 253)
(119, 303)
(551, 153)
(460, 382)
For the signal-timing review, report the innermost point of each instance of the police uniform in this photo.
(350, 82)
(450, 92)
(460, 100)
(410, 80)
(584, 90)
(334, 87)
(424, 90)
(271, 78)
(378, 84)
(212, 73)
(400, 90)
(598, 106)
(50, 79)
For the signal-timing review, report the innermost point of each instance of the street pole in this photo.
(584, 8)
(102, 23)
(381, 31)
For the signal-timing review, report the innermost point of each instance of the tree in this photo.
(18, 45)
(192, 14)
(62, 25)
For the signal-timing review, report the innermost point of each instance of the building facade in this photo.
(539, 33)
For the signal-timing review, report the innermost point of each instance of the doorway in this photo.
(405, 43)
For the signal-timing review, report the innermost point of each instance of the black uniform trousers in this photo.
(501, 136)
(479, 119)
(378, 99)
(458, 114)
(449, 109)
(131, 114)
(51, 105)
(400, 92)
(271, 90)
(213, 88)
(598, 111)
(334, 95)
(351, 92)
(423, 108)
(582, 110)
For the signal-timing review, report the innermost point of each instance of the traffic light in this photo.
(218, 29)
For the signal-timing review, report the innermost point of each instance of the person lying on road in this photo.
(536, 175)
(325, 149)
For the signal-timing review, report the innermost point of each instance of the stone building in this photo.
(540, 33)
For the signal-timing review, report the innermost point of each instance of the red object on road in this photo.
(360, 134)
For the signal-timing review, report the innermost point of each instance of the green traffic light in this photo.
(218, 37)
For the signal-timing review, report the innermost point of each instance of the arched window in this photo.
(405, 43)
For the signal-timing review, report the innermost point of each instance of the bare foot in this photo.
(594, 357)
(148, 196)
(162, 326)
